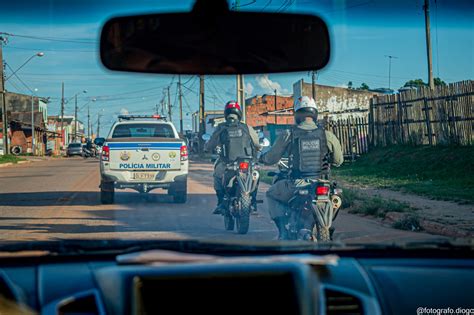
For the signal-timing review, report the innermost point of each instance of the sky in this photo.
(363, 33)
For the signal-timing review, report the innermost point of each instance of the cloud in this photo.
(249, 88)
(270, 86)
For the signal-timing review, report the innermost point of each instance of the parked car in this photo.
(74, 149)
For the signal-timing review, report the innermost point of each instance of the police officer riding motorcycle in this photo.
(309, 149)
(236, 141)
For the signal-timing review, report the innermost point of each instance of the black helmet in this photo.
(305, 107)
(232, 107)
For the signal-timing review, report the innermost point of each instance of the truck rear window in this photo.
(143, 131)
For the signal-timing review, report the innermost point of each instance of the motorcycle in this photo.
(86, 153)
(241, 181)
(312, 209)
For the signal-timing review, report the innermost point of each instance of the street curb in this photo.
(11, 164)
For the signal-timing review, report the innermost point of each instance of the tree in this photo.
(349, 85)
(415, 83)
(438, 82)
(419, 82)
(364, 86)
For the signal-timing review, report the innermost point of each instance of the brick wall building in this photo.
(258, 107)
(336, 102)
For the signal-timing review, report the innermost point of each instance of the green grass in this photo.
(360, 203)
(408, 223)
(442, 172)
(9, 159)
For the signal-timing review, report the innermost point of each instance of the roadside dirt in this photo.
(436, 216)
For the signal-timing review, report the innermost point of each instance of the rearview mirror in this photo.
(211, 39)
(264, 142)
(99, 141)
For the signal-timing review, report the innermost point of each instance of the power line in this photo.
(211, 81)
(281, 7)
(266, 5)
(53, 39)
(19, 79)
(244, 5)
(52, 50)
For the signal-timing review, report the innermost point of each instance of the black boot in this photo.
(220, 202)
(280, 222)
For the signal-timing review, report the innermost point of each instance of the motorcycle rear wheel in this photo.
(322, 234)
(243, 220)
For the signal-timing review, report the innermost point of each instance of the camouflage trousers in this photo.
(280, 193)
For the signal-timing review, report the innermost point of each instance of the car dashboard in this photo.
(274, 284)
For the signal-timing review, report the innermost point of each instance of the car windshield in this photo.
(143, 131)
(382, 151)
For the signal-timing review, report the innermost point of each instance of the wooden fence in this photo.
(353, 135)
(444, 115)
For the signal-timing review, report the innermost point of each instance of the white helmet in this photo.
(305, 107)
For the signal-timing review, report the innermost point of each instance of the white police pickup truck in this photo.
(143, 153)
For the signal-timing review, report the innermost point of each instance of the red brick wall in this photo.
(258, 105)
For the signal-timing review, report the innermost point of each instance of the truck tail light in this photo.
(184, 153)
(105, 153)
(322, 190)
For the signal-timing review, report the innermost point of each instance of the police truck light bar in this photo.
(130, 117)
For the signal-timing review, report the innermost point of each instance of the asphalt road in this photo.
(59, 199)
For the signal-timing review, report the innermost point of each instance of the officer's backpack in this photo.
(308, 152)
(236, 142)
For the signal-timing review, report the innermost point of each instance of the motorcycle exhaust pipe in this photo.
(336, 202)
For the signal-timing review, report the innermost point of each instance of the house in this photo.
(212, 119)
(273, 114)
(26, 116)
(336, 102)
(69, 128)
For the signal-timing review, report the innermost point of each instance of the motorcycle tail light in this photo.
(244, 166)
(322, 190)
(105, 153)
(184, 153)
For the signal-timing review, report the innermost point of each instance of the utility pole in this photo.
(202, 119)
(75, 118)
(4, 103)
(88, 123)
(390, 69)
(33, 124)
(241, 95)
(274, 115)
(313, 84)
(426, 7)
(62, 114)
(169, 105)
(240, 80)
(180, 105)
(98, 125)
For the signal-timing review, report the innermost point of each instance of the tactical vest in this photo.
(236, 142)
(308, 153)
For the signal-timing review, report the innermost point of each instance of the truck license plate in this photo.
(144, 175)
